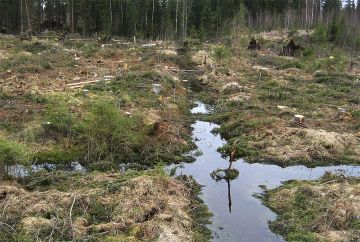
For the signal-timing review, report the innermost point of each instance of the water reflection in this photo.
(19, 171)
(229, 194)
(238, 215)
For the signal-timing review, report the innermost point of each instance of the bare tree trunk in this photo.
(72, 17)
(122, 15)
(218, 19)
(176, 17)
(320, 11)
(111, 14)
(188, 6)
(183, 22)
(146, 17)
(306, 15)
(152, 19)
(28, 15)
(68, 14)
(312, 13)
(21, 17)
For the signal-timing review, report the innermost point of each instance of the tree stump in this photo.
(254, 45)
(64, 36)
(290, 48)
(299, 120)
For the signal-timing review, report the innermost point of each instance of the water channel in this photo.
(238, 215)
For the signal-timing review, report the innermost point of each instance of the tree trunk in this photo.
(306, 15)
(111, 14)
(68, 14)
(176, 17)
(72, 17)
(28, 15)
(152, 19)
(21, 17)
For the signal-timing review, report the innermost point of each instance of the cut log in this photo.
(82, 83)
(299, 119)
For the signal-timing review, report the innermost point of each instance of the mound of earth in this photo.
(324, 210)
(290, 145)
(101, 205)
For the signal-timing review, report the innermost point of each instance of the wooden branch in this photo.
(70, 215)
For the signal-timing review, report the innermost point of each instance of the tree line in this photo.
(179, 19)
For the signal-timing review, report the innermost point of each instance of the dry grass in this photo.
(290, 145)
(145, 207)
(327, 209)
(317, 88)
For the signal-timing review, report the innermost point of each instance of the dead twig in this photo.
(70, 215)
(8, 226)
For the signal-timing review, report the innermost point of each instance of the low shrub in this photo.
(110, 135)
(221, 52)
(12, 153)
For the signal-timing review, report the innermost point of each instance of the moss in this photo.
(199, 211)
(89, 49)
(278, 62)
(111, 135)
(303, 209)
(103, 166)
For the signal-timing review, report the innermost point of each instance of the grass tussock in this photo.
(135, 206)
(323, 210)
(320, 84)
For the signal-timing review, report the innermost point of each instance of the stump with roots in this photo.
(290, 48)
(254, 45)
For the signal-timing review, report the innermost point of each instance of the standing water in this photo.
(238, 215)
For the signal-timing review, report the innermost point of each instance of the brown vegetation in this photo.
(147, 207)
(323, 210)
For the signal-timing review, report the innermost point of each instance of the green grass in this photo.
(34, 63)
(301, 214)
(12, 153)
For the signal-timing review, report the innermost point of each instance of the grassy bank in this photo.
(256, 96)
(102, 206)
(323, 210)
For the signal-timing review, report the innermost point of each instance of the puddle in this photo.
(238, 215)
(18, 171)
(200, 108)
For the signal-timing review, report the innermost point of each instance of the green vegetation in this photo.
(258, 119)
(118, 122)
(12, 153)
(307, 211)
(109, 135)
(35, 57)
(221, 52)
(225, 174)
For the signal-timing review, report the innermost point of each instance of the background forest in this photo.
(335, 20)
